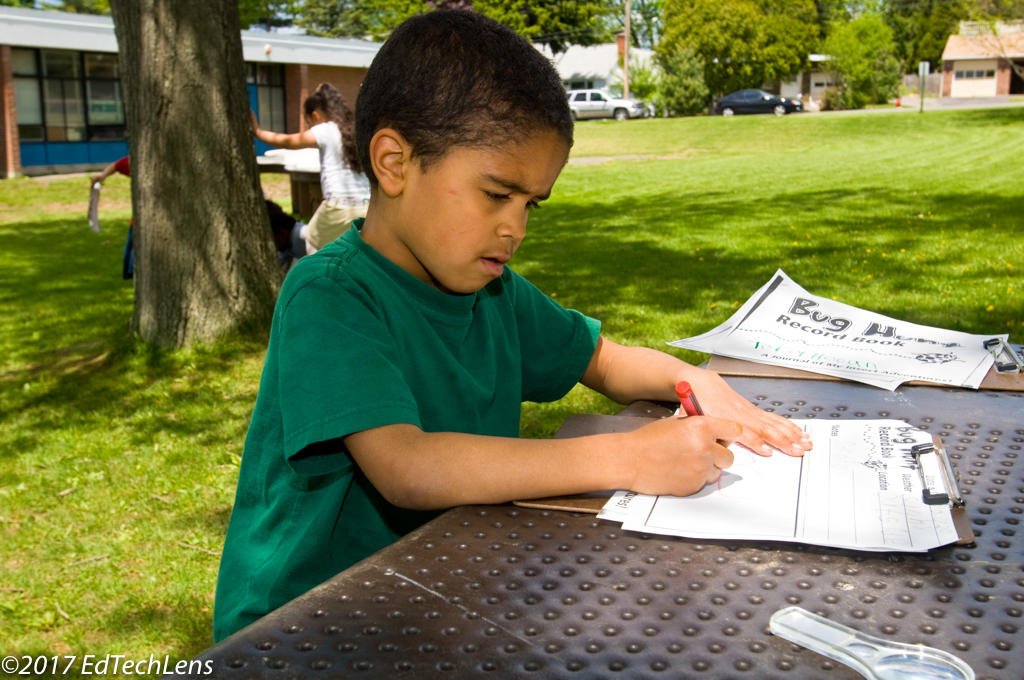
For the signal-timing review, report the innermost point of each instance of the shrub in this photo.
(682, 90)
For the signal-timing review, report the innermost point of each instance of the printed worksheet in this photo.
(859, 487)
(784, 325)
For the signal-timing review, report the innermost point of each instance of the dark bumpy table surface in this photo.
(503, 591)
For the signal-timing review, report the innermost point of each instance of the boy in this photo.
(401, 353)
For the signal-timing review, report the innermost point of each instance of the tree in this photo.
(863, 61)
(682, 89)
(74, 6)
(205, 265)
(644, 19)
(369, 19)
(742, 43)
(921, 28)
(267, 13)
(556, 24)
(643, 80)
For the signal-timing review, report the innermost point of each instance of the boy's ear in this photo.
(390, 154)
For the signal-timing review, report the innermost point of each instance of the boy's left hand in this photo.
(762, 431)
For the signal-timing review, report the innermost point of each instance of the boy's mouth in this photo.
(494, 265)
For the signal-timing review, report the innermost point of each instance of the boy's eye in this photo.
(497, 196)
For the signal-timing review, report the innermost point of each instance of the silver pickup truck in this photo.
(602, 104)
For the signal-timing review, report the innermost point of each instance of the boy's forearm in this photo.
(627, 374)
(423, 470)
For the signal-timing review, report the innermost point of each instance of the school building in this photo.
(61, 103)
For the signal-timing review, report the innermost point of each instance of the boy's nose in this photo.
(513, 225)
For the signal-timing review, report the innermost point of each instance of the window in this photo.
(990, 73)
(27, 96)
(67, 96)
(104, 101)
(959, 74)
(596, 97)
(65, 115)
(580, 97)
(101, 66)
(30, 109)
(268, 79)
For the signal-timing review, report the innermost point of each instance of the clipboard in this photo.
(994, 380)
(579, 425)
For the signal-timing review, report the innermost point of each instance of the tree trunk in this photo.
(204, 259)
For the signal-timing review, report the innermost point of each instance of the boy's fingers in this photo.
(722, 458)
(778, 433)
(724, 430)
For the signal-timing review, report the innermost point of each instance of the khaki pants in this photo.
(329, 221)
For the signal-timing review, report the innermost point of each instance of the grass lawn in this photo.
(118, 462)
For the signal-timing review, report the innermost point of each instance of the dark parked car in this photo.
(756, 101)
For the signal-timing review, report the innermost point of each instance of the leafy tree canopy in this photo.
(74, 6)
(921, 27)
(556, 24)
(645, 21)
(369, 19)
(267, 13)
(863, 60)
(742, 43)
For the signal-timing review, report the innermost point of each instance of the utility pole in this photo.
(923, 68)
(625, 56)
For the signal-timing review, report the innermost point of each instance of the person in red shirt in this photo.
(122, 166)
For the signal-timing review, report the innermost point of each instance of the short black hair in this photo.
(452, 78)
(279, 219)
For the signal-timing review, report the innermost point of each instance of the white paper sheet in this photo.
(94, 207)
(784, 325)
(859, 487)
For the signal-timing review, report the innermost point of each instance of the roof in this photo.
(592, 62)
(1006, 45)
(90, 33)
(57, 30)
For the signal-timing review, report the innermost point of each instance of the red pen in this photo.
(687, 399)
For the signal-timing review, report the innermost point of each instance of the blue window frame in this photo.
(70, 108)
(265, 84)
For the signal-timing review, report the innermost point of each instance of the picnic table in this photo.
(506, 591)
(303, 169)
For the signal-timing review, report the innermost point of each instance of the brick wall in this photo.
(10, 156)
(301, 79)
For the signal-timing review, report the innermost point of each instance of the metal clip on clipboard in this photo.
(1007, 357)
(935, 458)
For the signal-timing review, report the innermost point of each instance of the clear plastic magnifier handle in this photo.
(872, 657)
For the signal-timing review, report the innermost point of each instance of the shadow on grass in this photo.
(144, 390)
(640, 252)
(609, 259)
(70, 358)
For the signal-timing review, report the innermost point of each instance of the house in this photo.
(595, 67)
(61, 103)
(811, 83)
(979, 61)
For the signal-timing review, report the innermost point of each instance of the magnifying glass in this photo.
(872, 657)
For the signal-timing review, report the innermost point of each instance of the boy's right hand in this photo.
(678, 456)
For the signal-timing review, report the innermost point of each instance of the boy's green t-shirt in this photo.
(357, 343)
